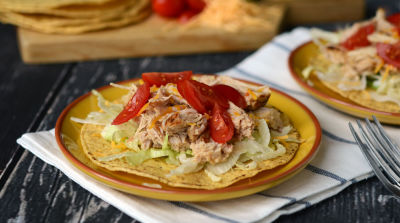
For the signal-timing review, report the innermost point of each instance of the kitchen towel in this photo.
(338, 163)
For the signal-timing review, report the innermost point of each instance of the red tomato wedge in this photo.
(196, 5)
(159, 78)
(186, 16)
(231, 94)
(201, 96)
(190, 92)
(134, 105)
(359, 39)
(168, 8)
(209, 97)
(395, 20)
(221, 125)
(389, 53)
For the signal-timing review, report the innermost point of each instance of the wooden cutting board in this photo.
(154, 36)
(157, 36)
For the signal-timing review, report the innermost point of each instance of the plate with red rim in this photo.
(67, 136)
(300, 58)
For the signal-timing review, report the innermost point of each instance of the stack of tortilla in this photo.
(73, 16)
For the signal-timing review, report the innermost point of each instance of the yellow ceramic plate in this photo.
(67, 134)
(300, 58)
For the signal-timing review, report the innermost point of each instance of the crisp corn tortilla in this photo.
(363, 98)
(104, 11)
(34, 5)
(51, 21)
(95, 146)
(50, 24)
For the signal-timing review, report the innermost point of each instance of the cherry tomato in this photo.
(359, 39)
(231, 94)
(389, 53)
(189, 91)
(186, 16)
(168, 8)
(158, 79)
(395, 20)
(221, 125)
(196, 5)
(134, 105)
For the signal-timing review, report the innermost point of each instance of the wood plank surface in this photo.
(154, 36)
(18, 82)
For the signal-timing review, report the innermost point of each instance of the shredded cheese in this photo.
(170, 109)
(386, 73)
(176, 92)
(153, 88)
(143, 108)
(251, 93)
(379, 66)
(233, 15)
(95, 135)
(118, 146)
(281, 137)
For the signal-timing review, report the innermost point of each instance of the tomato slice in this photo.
(231, 94)
(158, 79)
(196, 5)
(359, 39)
(190, 92)
(168, 8)
(389, 53)
(201, 96)
(209, 97)
(221, 125)
(186, 16)
(395, 20)
(134, 105)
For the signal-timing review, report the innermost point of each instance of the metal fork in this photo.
(382, 153)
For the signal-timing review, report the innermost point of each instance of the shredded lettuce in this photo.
(132, 144)
(285, 130)
(331, 37)
(136, 158)
(108, 107)
(172, 154)
(108, 112)
(188, 165)
(246, 166)
(257, 149)
(115, 156)
(306, 72)
(212, 176)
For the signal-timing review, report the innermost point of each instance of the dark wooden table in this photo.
(32, 97)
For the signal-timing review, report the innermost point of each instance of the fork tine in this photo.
(376, 155)
(393, 146)
(373, 163)
(383, 150)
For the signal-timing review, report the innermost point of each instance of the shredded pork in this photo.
(168, 113)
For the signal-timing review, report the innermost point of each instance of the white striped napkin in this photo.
(338, 164)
